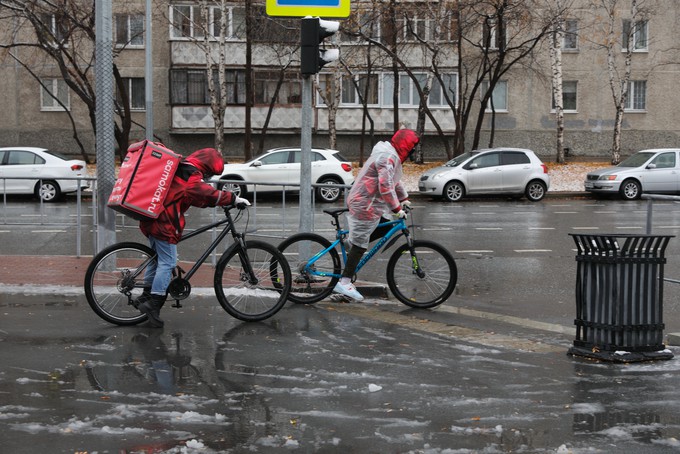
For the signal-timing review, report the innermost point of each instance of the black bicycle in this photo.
(252, 278)
(420, 273)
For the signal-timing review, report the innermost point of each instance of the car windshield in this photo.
(455, 162)
(636, 160)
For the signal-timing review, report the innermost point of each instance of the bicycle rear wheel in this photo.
(114, 279)
(257, 297)
(310, 288)
(425, 280)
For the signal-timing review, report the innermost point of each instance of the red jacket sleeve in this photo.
(201, 194)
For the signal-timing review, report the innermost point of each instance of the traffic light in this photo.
(313, 32)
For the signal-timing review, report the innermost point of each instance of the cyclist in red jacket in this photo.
(188, 189)
(376, 192)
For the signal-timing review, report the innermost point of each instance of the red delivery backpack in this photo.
(144, 179)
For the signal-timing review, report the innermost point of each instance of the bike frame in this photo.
(229, 229)
(398, 225)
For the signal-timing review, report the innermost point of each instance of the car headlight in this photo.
(437, 176)
(607, 177)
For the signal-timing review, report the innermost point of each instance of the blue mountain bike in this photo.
(420, 273)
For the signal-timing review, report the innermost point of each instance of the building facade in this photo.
(435, 46)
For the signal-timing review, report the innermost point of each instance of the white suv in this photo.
(275, 168)
(502, 171)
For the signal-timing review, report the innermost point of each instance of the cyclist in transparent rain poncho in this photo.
(377, 192)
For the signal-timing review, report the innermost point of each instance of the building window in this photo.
(412, 28)
(569, 89)
(360, 26)
(189, 21)
(570, 38)
(439, 93)
(57, 26)
(52, 92)
(499, 97)
(290, 89)
(639, 35)
(492, 35)
(136, 93)
(129, 30)
(190, 86)
(637, 96)
(354, 89)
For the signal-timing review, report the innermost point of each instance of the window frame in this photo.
(570, 30)
(634, 86)
(565, 109)
(213, 23)
(129, 85)
(56, 83)
(127, 41)
(640, 25)
(487, 108)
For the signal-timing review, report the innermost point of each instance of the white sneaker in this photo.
(348, 290)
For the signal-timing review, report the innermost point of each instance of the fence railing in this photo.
(122, 221)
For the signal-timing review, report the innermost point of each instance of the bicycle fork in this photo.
(414, 257)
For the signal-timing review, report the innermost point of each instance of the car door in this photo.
(516, 167)
(21, 163)
(664, 176)
(484, 173)
(272, 168)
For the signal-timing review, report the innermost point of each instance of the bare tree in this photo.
(557, 17)
(619, 44)
(62, 34)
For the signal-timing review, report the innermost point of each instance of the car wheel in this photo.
(630, 190)
(239, 190)
(454, 191)
(535, 190)
(326, 193)
(48, 191)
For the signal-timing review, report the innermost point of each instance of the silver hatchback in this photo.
(501, 171)
(654, 171)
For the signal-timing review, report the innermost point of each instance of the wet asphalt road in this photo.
(485, 372)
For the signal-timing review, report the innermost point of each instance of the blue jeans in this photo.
(158, 274)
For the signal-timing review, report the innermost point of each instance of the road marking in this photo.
(668, 227)
(48, 231)
(479, 251)
(566, 212)
(533, 250)
(585, 228)
(436, 229)
(488, 228)
(628, 228)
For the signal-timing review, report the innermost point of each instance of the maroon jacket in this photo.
(187, 190)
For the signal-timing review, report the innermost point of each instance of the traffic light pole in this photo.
(306, 218)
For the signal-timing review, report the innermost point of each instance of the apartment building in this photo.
(377, 47)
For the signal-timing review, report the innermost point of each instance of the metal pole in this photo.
(148, 74)
(306, 158)
(106, 228)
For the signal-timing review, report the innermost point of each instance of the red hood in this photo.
(404, 141)
(208, 160)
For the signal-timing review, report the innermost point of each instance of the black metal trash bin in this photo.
(619, 297)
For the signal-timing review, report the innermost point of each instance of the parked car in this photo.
(654, 171)
(44, 170)
(282, 165)
(501, 171)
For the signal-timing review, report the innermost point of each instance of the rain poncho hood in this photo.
(377, 190)
(403, 142)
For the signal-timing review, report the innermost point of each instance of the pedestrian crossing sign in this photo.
(303, 8)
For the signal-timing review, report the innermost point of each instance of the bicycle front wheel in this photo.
(307, 287)
(252, 284)
(114, 279)
(424, 280)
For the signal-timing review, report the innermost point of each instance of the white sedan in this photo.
(30, 170)
(281, 166)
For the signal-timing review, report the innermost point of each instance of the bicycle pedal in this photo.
(177, 304)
